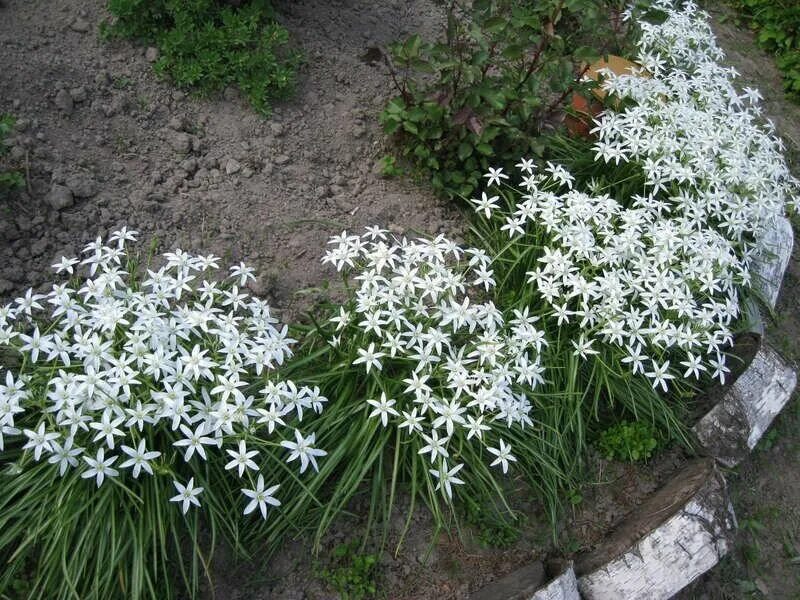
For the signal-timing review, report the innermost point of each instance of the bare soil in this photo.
(203, 174)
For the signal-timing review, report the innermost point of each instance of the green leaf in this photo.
(464, 151)
(513, 52)
(395, 106)
(495, 98)
(484, 149)
(412, 45)
(416, 114)
(410, 127)
(585, 54)
(495, 24)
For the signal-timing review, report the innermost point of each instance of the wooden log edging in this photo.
(675, 536)
(731, 429)
(530, 583)
(562, 587)
(772, 259)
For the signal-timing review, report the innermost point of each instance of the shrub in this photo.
(628, 441)
(9, 179)
(206, 45)
(777, 28)
(483, 96)
(132, 393)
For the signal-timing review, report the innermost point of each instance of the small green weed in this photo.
(388, 166)
(350, 573)
(122, 82)
(9, 179)
(206, 45)
(630, 441)
(490, 528)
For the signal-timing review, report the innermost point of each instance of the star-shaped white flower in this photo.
(187, 494)
(260, 497)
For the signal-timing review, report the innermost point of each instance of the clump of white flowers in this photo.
(658, 274)
(119, 377)
(450, 367)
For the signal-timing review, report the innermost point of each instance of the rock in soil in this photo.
(59, 197)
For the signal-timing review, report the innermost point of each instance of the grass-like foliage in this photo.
(482, 95)
(433, 387)
(129, 402)
(777, 28)
(10, 179)
(147, 411)
(207, 45)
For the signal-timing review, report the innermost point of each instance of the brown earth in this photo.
(202, 174)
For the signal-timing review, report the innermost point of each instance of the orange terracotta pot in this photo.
(584, 110)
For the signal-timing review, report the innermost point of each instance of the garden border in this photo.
(685, 527)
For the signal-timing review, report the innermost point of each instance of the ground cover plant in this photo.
(628, 441)
(207, 45)
(132, 390)
(776, 24)
(483, 95)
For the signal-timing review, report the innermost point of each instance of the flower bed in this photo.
(605, 285)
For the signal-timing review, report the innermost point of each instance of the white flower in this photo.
(526, 165)
(369, 357)
(660, 375)
(187, 494)
(485, 204)
(242, 459)
(693, 366)
(446, 478)
(503, 455)
(100, 467)
(435, 446)
(243, 273)
(139, 458)
(40, 440)
(494, 176)
(412, 421)
(260, 497)
(303, 449)
(583, 347)
(194, 441)
(63, 456)
(383, 408)
(65, 265)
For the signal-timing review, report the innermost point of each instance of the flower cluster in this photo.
(631, 277)
(126, 378)
(658, 274)
(707, 153)
(460, 369)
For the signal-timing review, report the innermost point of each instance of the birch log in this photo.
(563, 587)
(676, 535)
(772, 259)
(517, 585)
(529, 583)
(733, 427)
